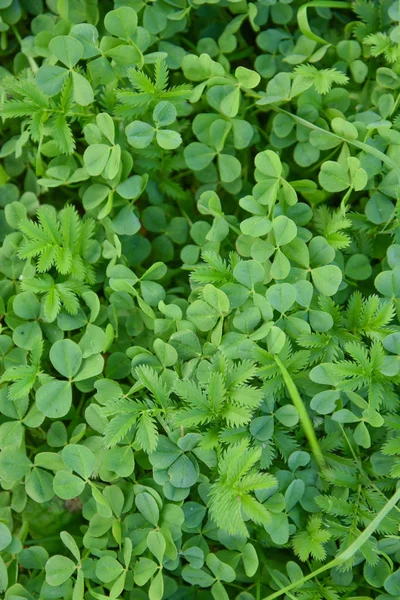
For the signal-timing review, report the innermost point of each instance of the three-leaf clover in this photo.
(102, 158)
(199, 156)
(54, 398)
(51, 78)
(141, 134)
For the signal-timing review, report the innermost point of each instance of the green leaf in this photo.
(5, 536)
(95, 158)
(93, 341)
(82, 90)
(80, 459)
(26, 305)
(67, 49)
(197, 576)
(66, 357)
(230, 104)
(126, 222)
(51, 79)
(281, 296)
(358, 267)
(250, 560)
(143, 570)
(121, 22)
(139, 134)
(14, 465)
(59, 569)
(132, 187)
(70, 543)
(202, 315)
(287, 415)
(156, 589)
(327, 279)
(220, 569)
(247, 78)
(333, 177)
(198, 156)
(113, 162)
(248, 273)
(269, 164)
(392, 583)
(34, 557)
(183, 473)
(108, 569)
(284, 229)
(156, 544)
(168, 139)
(164, 113)
(67, 486)
(147, 506)
(39, 485)
(106, 125)
(229, 167)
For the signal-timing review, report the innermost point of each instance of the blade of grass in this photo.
(303, 414)
(302, 17)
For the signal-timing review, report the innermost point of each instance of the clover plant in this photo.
(200, 299)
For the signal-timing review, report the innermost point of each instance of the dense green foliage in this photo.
(200, 282)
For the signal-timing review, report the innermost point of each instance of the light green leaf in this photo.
(67, 486)
(59, 569)
(144, 569)
(54, 399)
(139, 134)
(168, 139)
(164, 113)
(95, 158)
(82, 90)
(327, 279)
(66, 357)
(5, 536)
(51, 79)
(108, 569)
(333, 177)
(284, 229)
(121, 22)
(198, 156)
(67, 49)
(147, 506)
(80, 459)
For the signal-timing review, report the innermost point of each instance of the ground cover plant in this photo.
(200, 283)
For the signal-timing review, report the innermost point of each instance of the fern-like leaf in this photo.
(311, 541)
(230, 498)
(322, 79)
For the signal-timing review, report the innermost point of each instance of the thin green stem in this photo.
(35, 542)
(359, 466)
(345, 198)
(361, 145)
(396, 104)
(303, 414)
(23, 532)
(348, 553)
(32, 62)
(302, 18)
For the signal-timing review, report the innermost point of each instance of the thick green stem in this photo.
(303, 414)
(349, 552)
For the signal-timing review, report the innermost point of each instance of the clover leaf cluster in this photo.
(199, 299)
